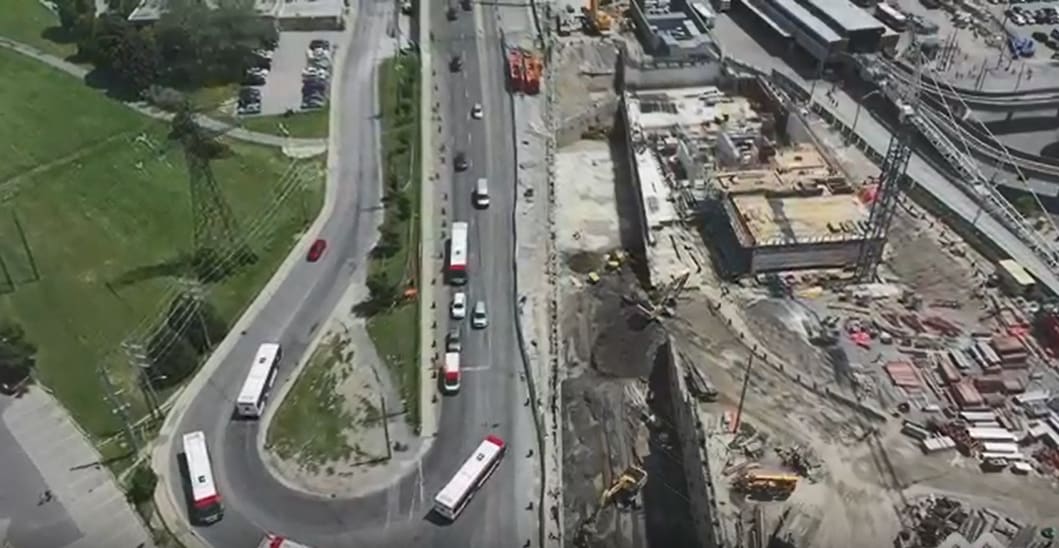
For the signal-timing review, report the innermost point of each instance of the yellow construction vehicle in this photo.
(759, 484)
(598, 20)
(628, 484)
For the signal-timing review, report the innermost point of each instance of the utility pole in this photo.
(118, 407)
(194, 289)
(742, 394)
(141, 363)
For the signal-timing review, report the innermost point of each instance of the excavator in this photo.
(627, 485)
(597, 20)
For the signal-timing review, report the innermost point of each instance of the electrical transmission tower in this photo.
(217, 248)
(891, 177)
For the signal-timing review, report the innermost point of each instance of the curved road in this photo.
(492, 395)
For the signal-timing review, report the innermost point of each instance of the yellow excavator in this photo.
(765, 485)
(598, 20)
(628, 484)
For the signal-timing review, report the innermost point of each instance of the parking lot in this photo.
(979, 56)
(282, 90)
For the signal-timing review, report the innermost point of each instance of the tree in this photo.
(134, 60)
(383, 293)
(142, 484)
(403, 206)
(17, 355)
(71, 11)
(172, 357)
(389, 242)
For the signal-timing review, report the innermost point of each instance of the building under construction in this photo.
(790, 211)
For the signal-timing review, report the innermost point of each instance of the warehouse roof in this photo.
(844, 16)
(803, 16)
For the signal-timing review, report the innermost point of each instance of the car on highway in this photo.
(476, 111)
(456, 64)
(461, 162)
(479, 319)
(317, 250)
(459, 305)
(481, 193)
(466, 5)
(452, 340)
(451, 14)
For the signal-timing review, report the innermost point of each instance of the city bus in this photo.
(889, 15)
(258, 383)
(458, 254)
(452, 498)
(206, 505)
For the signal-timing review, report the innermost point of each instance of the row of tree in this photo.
(190, 46)
(17, 356)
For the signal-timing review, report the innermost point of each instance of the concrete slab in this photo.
(43, 450)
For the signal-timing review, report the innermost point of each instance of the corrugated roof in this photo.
(846, 16)
(802, 15)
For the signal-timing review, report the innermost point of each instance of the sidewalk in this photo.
(41, 449)
(241, 134)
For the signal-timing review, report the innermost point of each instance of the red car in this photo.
(317, 250)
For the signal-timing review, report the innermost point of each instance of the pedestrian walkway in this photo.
(53, 491)
(229, 130)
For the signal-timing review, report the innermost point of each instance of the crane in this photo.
(891, 178)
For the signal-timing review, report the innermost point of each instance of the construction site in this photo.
(763, 337)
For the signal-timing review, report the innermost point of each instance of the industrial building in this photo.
(288, 14)
(674, 29)
(825, 29)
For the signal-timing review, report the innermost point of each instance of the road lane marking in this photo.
(419, 464)
(475, 368)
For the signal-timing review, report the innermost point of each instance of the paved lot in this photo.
(41, 449)
(283, 87)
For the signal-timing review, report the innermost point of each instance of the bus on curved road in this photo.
(206, 505)
(453, 498)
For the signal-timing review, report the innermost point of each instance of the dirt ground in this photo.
(864, 476)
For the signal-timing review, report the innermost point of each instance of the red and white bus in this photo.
(206, 505)
(452, 498)
(276, 541)
(458, 254)
(450, 373)
(258, 383)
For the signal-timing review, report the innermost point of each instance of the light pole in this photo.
(856, 114)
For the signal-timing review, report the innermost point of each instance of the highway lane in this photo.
(492, 396)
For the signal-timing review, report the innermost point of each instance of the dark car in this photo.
(317, 250)
(249, 93)
(461, 162)
(465, 4)
(456, 64)
(254, 80)
(319, 44)
(451, 14)
(1039, 36)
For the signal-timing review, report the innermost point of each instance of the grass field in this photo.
(311, 125)
(394, 328)
(29, 22)
(103, 203)
(312, 421)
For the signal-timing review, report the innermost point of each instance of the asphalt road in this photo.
(492, 395)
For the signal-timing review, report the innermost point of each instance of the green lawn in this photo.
(101, 194)
(394, 327)
(311, 423)
(29, 22)
(311, 125)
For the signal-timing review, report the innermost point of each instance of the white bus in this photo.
(276, 541)
(450, 373)
(458, 254)
(206, 505)
(258, 383)
(469, 478)
(891, 16)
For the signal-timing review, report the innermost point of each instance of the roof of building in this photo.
(803, 16)
(657, 207)
(845, 17)
(1017, 272)
(772, 220)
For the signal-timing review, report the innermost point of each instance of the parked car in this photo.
(319, 44)
(452, 340)
(461, 163)
(317, 250)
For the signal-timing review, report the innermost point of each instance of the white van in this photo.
(481, 193)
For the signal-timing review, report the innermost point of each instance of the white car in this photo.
(476, 112)
(459, 305)
(479, 320)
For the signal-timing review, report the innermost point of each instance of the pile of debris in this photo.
(949, 523)
(802, 460)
